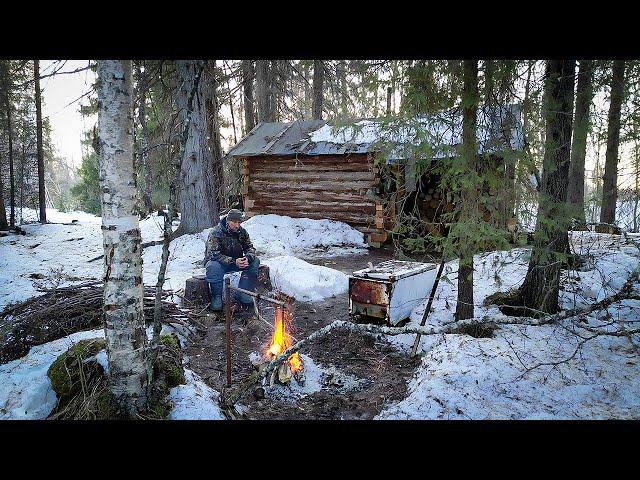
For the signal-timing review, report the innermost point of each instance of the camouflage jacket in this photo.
(226, 246)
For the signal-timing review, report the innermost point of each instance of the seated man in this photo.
(228, 249)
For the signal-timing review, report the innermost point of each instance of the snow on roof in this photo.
(498, 128)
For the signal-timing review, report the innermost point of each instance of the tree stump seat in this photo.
(196, 289)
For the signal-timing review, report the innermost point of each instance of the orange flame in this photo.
(281, 340)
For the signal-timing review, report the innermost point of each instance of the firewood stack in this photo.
(432, 205)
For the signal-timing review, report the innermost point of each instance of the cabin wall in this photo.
(337, 187)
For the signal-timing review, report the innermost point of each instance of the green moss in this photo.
(169, 341)
(158, 409)
(65, 372)
(167, 374)
(81, 387)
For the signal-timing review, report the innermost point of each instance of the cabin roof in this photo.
(499, 128)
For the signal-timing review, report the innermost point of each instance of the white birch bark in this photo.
(123, 288)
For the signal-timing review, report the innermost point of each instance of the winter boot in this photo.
(216, 303)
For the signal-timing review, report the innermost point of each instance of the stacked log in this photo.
(337, 187)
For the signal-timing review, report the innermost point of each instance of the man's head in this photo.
(234, 218)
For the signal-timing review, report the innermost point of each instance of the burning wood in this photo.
(280, 341)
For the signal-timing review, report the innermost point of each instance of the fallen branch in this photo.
(142, 246)
(625, 292)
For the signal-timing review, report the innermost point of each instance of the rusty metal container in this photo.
(390, 290)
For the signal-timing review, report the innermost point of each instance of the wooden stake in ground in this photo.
(428, 309)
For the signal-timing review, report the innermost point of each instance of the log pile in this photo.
(337, 187)
(65, 310)
(432, 204)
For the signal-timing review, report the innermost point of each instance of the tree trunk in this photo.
(3, 212)
(308, 93)
(610, 179)
(341, 74)
(7, 104)
(489, 74)
(23, 160)
(248, 73)
(41, 193)
(540, 288)
(213, 107)
(266, 112)
(464, 305)
(123, 288)
(584, 95)
(144, 137)
(318, 86)
(197, 199)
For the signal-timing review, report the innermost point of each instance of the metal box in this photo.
(390, 290)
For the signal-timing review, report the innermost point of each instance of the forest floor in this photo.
(582, 367)
(349, 375)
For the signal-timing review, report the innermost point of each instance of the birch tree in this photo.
(197, 199)
(123, 288)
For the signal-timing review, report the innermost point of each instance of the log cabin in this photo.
(356, 172)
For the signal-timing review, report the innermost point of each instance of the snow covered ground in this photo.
(62, 253)
(25, 388)
(281, 235)
(304, 281)
(26, 393)
(462, 377)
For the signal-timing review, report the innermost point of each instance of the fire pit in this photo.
(280, 341)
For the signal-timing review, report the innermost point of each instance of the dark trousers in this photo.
(248, 279)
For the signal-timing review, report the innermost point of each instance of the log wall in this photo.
(336, 187)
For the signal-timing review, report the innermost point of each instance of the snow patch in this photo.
(282, 235)
(195, 400)
(462, 377)
(304, 281)
(25, 389)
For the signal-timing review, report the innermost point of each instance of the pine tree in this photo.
(610, 179)
(318, 85)
(468, 202)
(540, 289)
(198, 196)
(248, 74)
(41, 187)
(584, 95)
(265, 91)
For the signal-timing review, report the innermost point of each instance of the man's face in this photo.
(233, 225)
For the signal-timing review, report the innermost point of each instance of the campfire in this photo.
(280, 341)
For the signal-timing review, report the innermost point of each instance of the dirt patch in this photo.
(360, 373)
